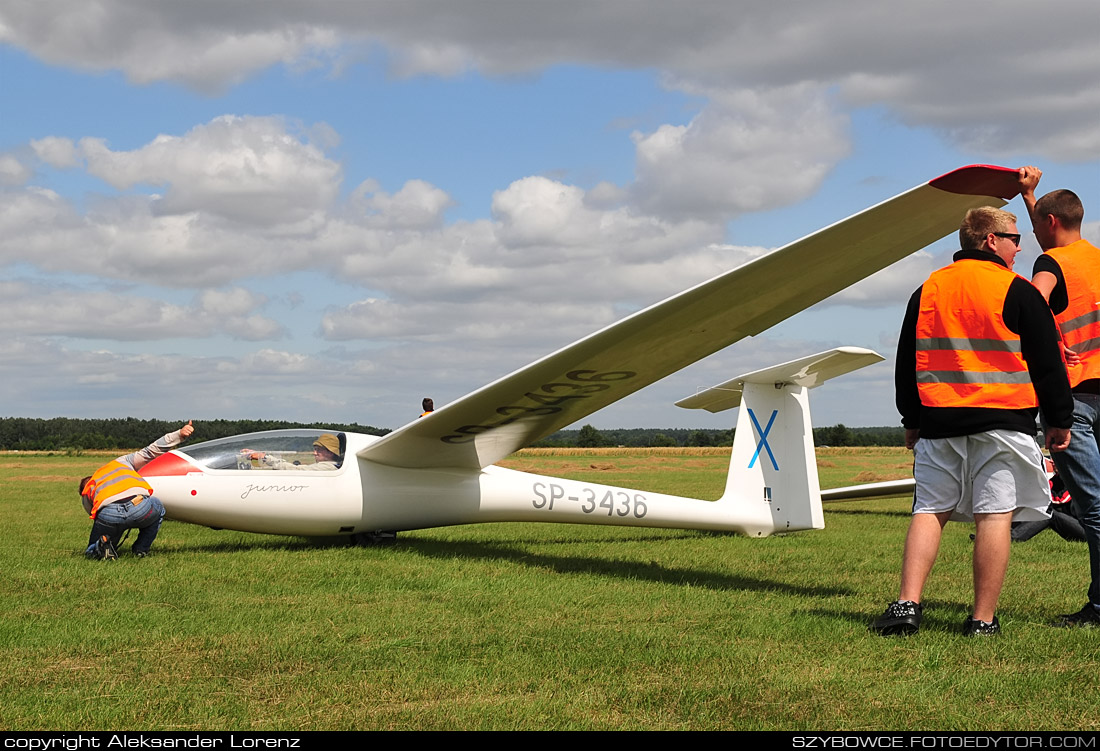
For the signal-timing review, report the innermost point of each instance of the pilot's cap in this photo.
(330, 442)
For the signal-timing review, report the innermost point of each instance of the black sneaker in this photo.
(1086, 617)
(902, 618)
(104, 550)
(973, 627)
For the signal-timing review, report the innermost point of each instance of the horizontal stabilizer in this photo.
(870, 491)
(808, 372)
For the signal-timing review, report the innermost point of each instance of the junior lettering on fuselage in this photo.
(272, 489)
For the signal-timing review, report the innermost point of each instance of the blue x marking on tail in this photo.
(763, 438)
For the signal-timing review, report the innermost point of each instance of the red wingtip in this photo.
(168, 465)
(980, 180)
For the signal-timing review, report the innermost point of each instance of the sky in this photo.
(323, 211)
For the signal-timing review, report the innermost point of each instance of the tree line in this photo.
(64, 433)
(590, 437)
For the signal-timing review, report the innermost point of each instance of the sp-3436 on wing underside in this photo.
(438, 470)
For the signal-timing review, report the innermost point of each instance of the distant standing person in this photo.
(1068, 276)
(118, 498)
(427, 405)
(978, 345)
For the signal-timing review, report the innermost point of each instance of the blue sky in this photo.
(323, 211)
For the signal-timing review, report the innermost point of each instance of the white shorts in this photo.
(986, 473)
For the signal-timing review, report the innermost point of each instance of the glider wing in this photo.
(566, 386)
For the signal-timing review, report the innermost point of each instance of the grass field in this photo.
(524, 626)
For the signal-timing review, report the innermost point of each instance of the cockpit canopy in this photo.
(288, 449)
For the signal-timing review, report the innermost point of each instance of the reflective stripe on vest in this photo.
(1080, 321)
(966, 355)
(114, 479)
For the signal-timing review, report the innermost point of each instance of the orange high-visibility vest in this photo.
(1080, 321)
(114, 479)
(966, 355)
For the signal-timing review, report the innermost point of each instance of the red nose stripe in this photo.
(168, 465)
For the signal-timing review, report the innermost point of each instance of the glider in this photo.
(439, 470)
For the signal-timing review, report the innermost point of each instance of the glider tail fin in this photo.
(773, 468)
(773, 478)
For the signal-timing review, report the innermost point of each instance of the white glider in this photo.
(439, 471)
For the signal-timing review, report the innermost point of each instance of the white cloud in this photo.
(119, 239)
(241, 196)
(36, 309)
(747, 151)
(56, 152)
(567, 302)
(537, 216)
(535, 211)
(549, 245)
(152, 42)
(418, 205)
(35, 224)
(246, 169)
(229, 302)
(488, 321)
(922, 61)
(249, 199)
(107, 384)
(1091, 231)
(437, 58)
(274, 362)
(253, 328)
(893, 284)
(13, 171)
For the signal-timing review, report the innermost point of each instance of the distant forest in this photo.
(67, 434)
(590, 437)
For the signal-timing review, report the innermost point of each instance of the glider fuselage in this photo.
(362, 496)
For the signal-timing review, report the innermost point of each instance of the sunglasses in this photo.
(1013, 237)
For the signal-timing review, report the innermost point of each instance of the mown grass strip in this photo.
(527, 626)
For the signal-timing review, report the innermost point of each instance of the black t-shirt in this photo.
(1059, 296)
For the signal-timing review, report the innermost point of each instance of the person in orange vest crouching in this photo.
(1068, 276)
(978, 353)
(118, 498)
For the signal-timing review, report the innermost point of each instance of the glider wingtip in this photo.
(980, 180)
(853, 350)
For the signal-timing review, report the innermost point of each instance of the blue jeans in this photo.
(1079, 466)
(114, 519)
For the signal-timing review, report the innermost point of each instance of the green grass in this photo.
(515, 626)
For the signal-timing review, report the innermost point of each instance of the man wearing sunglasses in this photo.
(1067, 274)
(978, 353)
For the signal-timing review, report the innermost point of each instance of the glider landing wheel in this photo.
(373, 538)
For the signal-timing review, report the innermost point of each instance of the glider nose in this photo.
(168, 465)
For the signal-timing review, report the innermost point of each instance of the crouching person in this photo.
(118, 498)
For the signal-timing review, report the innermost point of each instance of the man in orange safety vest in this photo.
(978, 353)
(118, 498)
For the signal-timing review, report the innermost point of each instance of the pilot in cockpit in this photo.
(326, 452)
